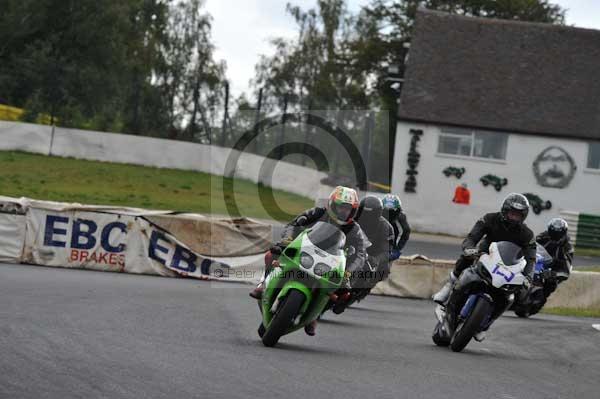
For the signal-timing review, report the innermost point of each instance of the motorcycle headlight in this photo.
(321, 269)
(306, 261)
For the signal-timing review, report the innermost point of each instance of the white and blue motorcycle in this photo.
(482, 293)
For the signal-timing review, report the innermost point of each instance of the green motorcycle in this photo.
(311, 268)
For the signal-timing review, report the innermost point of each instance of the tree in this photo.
(63, 58)
(188, 77)
(318, 71)
(146, 32)
(138, 66)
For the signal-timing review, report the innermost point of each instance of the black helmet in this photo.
(370, 207)
(515, 209)
(557, 229)
(369, 212)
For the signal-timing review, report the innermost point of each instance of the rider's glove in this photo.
(547, 274)
(395, 254)
(346, 280)
(470, 252)
(277, 249)
(527, 282)
(285, 241)
(280, 246)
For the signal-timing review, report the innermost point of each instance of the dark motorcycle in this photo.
(362, 284)
(545, 280)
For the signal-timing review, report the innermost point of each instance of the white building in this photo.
(519, 101)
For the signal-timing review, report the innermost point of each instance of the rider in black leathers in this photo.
(558, 245)
(381, 235)
(506, 225)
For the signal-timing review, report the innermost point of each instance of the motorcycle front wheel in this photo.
(283, 318)
(471, 326)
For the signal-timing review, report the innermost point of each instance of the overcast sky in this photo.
(242, 29)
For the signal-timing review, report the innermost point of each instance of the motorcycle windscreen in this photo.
(327, 237)
(542, 256)
(510, 253)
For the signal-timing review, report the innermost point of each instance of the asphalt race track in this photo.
(83, 334)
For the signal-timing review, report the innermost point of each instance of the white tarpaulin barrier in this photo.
(420, 277)
(24, 203)
(121, 239)
(12, 237)
(110, 242)
(214, 236)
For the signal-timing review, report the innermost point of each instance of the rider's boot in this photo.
(310, 328)
(480, 336)
(270, 263)
(257, 292)
(442, 295)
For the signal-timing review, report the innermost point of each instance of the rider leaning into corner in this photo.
(506, 225)
(392, 211)
(340, 211)
(557, 243)
(380, 233)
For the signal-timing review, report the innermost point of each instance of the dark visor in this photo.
(342, 211)
(515, 216)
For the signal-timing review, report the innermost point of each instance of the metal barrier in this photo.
(588, 231)
(584, 229)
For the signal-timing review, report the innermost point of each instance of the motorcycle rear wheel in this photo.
(535, 309)
(283, 318)
(471, 326)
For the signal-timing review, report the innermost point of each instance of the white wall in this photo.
(24, 137)
(138, 150)
(431, 209)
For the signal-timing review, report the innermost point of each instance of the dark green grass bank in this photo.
(91, 182)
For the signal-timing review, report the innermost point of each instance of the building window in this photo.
(472, 143)
(594, 156)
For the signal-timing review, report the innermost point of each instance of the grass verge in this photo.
(572, 312)
(103, 183)
(587, 252)
(595, 269)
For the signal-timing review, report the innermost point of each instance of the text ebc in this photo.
(83, 234)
